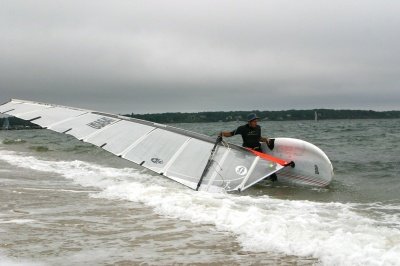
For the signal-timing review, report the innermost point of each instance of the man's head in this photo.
(252, 119)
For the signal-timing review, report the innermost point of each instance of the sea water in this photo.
(64, 202)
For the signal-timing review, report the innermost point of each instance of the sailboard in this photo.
(178, 154)
(312, 165)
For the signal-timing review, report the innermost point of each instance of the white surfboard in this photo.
(312, 165)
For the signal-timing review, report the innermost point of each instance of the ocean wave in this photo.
(9, 261)
(13, 141)
(334, 233)
(17, 221)
(39, 148)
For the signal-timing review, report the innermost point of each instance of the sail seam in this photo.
(221, 163)
(32, 111)
(259, 179)
(175, 156)
(251, 169)
(135, 143)
(65, 120)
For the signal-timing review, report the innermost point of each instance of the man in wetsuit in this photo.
(250, 132)
(251, 135)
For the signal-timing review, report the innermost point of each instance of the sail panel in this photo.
(190, 163)
(45, 115)
(9, 106)
(262, 169)
(18, 108)
(26, 111)
(155, 151)
(119, 136)
(84, 125)
(232, 171)
(50, 116)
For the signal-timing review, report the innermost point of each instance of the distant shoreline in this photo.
(210, 117)
(287, 115)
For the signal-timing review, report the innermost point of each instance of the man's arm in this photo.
(269, 142)
(231, 133)
(226, 134)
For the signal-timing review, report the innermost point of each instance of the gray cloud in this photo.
(158, 56)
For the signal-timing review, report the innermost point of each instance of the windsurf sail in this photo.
(175, 153)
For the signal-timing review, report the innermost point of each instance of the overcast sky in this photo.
(183, 56)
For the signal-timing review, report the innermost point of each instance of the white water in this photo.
(7, 261)
(335, 233)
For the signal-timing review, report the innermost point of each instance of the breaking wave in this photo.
(334, 233)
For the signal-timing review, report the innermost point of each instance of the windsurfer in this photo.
(250, 132)
(251, 135)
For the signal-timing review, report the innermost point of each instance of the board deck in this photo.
(312, 165)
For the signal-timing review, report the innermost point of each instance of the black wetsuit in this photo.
(251, 136)
(251, 139)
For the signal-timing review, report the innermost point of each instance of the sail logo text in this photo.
(316, 169)
(101, 122)
(157, 160)
(241, 170)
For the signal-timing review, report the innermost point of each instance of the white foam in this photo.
(335, 233)
(59, 190)
(17, 221)
(7, 261)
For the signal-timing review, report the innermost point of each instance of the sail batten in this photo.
(178, 154)
(175, 156)
(216, 170)
(134, 144)
(253, 165)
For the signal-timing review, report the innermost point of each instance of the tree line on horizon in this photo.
(288, 115)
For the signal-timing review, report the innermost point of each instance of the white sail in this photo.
(175, 153)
